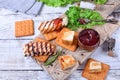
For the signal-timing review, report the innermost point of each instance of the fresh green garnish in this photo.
(100, 1)
(52, 58)
(75, 13)
(56, 3)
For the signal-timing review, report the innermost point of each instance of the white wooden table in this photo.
(13, 64)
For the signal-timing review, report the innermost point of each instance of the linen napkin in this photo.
(24, 6)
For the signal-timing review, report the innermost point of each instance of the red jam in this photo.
(89, 39)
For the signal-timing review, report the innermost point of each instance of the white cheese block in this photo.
(68, 37)
(95, 67)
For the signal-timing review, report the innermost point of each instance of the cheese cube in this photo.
(68, 37)
(95, 67)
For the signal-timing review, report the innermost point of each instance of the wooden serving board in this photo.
(105, 31)
(56, 72)
(108, 8)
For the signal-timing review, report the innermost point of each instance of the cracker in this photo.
(51, 35)
(41, 58)
(37, 39)
(24, 28)
(71, 47)
(95, 76)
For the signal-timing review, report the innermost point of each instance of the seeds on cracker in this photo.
(38, 48)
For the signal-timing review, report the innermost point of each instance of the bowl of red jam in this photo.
(88, 39)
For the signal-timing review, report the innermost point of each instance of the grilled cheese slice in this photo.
(95, 67)
(66, 61)
(68, 37)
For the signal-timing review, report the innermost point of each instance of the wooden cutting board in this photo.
(105, 31)
(56, 72)
(81, 55)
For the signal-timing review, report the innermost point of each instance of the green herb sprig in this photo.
(52, 58)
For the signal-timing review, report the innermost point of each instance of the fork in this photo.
(86, 21)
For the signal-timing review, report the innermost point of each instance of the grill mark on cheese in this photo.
(44, 28)
(31, 48)
(40, 26)
(41, 48)
(38, 48)
(49, 26)
(54, 26)
(26, 51)
(48, 48)
(45, 48)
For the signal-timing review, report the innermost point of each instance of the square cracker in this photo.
(37, 39)
(41, 58)
(71, 47)
(51, 35)
(24, 28)
(95, 76)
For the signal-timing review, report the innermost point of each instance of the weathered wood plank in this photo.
(42, 75)
(7, 29)
(12, 57)
(8, 19)
(57, 10)
(12, 54)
